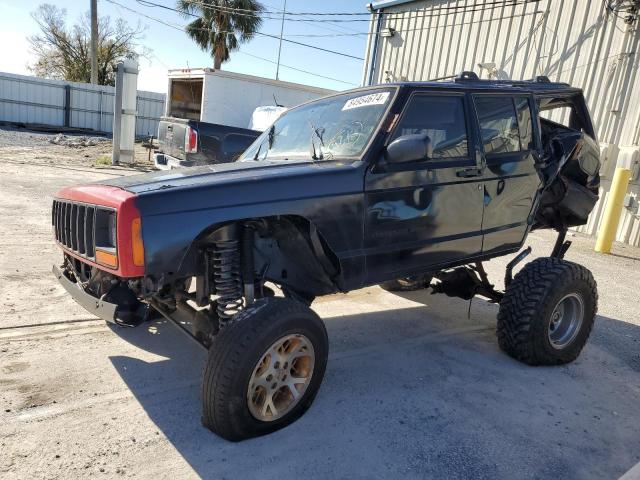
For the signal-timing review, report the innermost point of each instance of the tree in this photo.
(222, 25)
(63, 52)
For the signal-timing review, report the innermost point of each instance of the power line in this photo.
(462, 8)
(315, 47)
(406, 30)
(355, 34)
(459, 9)
(335, 27)
(181, 29)
(298, 69)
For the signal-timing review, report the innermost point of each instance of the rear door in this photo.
(511, 179)
(426, 213)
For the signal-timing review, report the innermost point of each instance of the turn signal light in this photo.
(136, 242)
(107, 259)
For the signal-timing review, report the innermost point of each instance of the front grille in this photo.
(75, 223)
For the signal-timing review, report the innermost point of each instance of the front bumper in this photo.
(95, 306)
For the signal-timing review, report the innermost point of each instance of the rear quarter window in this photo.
(498, 124)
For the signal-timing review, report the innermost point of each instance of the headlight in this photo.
(106, 238)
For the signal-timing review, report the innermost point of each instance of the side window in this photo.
(524, 123)
(556, 110)
(498, 124)
(441, 118)
(557, 114)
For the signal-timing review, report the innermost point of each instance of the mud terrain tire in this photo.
(235, 357)
(545, 293)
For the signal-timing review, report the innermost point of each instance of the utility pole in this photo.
(284, 9)
(94, 42)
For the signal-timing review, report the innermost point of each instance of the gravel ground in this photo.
(414, 388)
(13, 136)
(22, 145)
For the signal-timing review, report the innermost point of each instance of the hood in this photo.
(244, 185)
(216, 174)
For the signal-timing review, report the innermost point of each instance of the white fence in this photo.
(25, 99)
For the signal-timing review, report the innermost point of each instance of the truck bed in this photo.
(215, 143)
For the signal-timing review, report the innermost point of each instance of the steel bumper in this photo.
(167, 162)
(95, 306)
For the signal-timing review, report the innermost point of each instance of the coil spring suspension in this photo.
(227, 278)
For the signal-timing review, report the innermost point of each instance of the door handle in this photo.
(469, 172)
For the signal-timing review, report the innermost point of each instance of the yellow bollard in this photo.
(611, 218)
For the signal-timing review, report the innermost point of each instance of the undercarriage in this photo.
(229, 282)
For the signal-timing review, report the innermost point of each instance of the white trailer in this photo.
(212, 116)
(228, 98)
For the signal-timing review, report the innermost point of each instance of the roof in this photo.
(470, 80)
(388, 3)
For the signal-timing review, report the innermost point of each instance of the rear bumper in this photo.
(167, 162)
(95, 306)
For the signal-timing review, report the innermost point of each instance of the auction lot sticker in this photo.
(366, 100)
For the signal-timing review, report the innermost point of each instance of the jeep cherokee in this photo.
(405, 185)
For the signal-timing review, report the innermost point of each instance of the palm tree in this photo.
(222, 25)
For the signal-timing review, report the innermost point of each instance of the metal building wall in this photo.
(575, 41)
(27, 99)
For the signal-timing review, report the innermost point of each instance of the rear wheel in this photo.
(407, 284)
(547, 313)
(264, 369)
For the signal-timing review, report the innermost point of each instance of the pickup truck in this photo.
(207, 110)
(403, 184)
(186, 143)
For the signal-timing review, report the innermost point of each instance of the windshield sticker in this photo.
(366, 100)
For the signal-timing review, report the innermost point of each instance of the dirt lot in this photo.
(414, 388)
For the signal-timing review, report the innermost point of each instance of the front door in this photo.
(511, 179)
(428, 213)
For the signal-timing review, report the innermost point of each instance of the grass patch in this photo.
(103, 160)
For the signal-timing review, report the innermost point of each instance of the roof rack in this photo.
(541, 79)
(467, 76)
(470, 76)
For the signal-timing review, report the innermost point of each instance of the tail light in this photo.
(191, 140)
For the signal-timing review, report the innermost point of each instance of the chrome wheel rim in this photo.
(281, 377)
(566, 320)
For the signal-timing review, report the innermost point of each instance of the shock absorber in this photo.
(226, 272)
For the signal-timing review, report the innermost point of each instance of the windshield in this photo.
(338, 126)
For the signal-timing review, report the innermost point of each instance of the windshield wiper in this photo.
(270, 138)
(318, 132)
(272, 135)
(255, 157)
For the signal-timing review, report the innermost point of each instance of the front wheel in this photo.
(264, 369)
(547, 313)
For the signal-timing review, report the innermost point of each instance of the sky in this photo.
(172, 48)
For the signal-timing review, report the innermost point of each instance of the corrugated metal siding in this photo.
(573, 41)
(27, 99)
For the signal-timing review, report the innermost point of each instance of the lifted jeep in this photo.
(405, 184)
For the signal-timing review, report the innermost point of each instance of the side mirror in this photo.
(410, 148)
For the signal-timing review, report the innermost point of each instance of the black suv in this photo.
(406, 185)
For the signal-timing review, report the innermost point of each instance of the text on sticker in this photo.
(366, 100)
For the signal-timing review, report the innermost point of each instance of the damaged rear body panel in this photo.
(572, 163)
